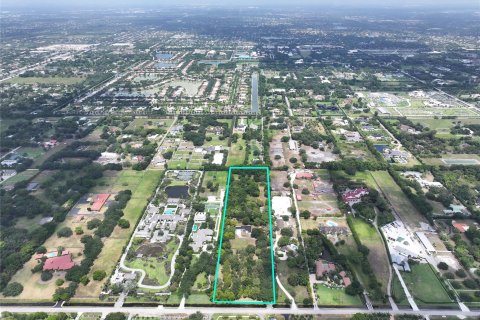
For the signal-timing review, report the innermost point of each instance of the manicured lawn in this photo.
(155, 271)
(198, 298)
(335, 297)
(424, 285)
(365, 231)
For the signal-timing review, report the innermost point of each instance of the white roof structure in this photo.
(426, 243)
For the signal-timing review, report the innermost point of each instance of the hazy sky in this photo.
(151, 3)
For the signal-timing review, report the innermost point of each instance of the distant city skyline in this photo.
(245, 3)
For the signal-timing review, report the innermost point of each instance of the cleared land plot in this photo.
(424, 285)
(236, 154)
(399, 201)
(215, 178)
(335, 297)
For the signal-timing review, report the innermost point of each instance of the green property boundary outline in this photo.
(274, 300)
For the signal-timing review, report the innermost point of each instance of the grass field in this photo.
(398, 199)
(443, 126)
(22, 176)
(378, 256)
(335, 297)
(236, 154)
(215, 177)
(398, 293)
(440, 161)
(198, 298)
(424, 285)
(30, 152)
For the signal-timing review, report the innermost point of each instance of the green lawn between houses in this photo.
(425, 286)
(335, 297)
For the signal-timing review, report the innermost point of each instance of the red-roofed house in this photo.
(304, 175)
(351, 197)
(99, 201)
(462, 227)
(299, 197)
(58, 263)
(322, 267)
(346, 280)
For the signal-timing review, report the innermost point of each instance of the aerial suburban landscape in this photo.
(265, 160)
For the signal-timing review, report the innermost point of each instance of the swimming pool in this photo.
(170, 211)
(194, 228)
(330, 223)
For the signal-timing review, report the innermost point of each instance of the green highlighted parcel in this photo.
(245, 272)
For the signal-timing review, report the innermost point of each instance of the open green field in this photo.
(424, 285)
(398, 199)
(46, 80)
(236, 154)
(215, 177)
(443, 126)
(335, 297)
(378, 256)
(198, 298)
(22, 176)
(450, 159)
(30, 152)
(398, 293)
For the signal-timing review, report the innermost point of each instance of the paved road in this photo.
(158, 311)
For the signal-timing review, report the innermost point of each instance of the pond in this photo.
(380, 147)
(177, 192)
